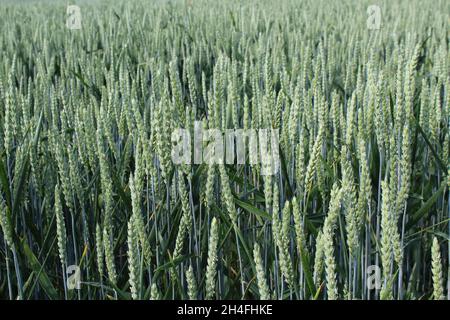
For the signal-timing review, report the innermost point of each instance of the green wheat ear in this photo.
(100, 251)
(328, 243)
(154, 292)
(283, 246)
(436, 270)
(109, 257)
(211, 269)
(191, 283)
(60, 228)
(133, 259)
(264, 292)
(6, 225)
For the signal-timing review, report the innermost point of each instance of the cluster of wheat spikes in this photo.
(358, 210)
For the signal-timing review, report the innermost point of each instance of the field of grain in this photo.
(93, 206)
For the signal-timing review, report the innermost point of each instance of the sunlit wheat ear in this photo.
(133, 260)
(191, 283)
(5, 223)
(300, 163)
(350, 126)
(268, 192)
(105, 181)
(276, 224)
(394, 216)
(313, 160)
(327, 242)
(330, 265)
(227, 195)
(283, 246)
(386, 244)
(405, 170)
(299, 228)
(349, 195)
(100, 253)
(63, 169)
(211, 269)
(10, 116)
(186, 219)
(109, 257)
(264, 292)
(318, 259)
(60, 228)
(436, 270)
(154, 292)
(136, 189)
(410, 83)
(365, 187)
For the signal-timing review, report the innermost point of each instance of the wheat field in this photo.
(92, 205)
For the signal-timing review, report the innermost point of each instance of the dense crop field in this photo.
(93, 205)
